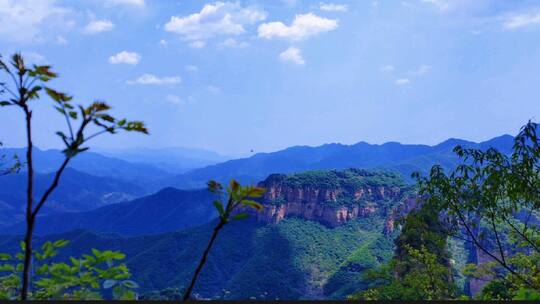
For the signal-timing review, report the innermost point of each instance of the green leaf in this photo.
(5, 257)
(214, 187)
(130, 284)
(234, 186)
(240, 216)
(60, 243)
(5, 103)
(219, 207)
(107, 284)
(252, 204)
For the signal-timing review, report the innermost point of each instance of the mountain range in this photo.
(76, 192)
(167, 210)
(393, 156)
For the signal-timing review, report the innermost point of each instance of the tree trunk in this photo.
(29, 204)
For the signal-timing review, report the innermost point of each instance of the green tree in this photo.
(27, 84)
(421, 268)
(493, 199)
(238, 197)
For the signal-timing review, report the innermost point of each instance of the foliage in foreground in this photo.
(82, 123)
(421, 267)
(89, 277)
(492, 201)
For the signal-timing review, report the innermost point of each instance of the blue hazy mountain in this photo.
(76, 192)
(46, 161)
(173, 159)
(167, 210)
(403, 158)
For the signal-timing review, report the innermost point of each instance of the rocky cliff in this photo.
(334, 197)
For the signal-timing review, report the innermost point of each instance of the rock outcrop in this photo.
(333, 197)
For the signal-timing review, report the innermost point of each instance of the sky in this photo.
(241, 77)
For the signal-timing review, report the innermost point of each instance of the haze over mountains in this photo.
(403, 158)
(96, 180)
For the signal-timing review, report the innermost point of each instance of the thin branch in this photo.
(95, 135)
(501, 251)
(477, 244)
(522, 234)
(51, 187)
(68, 121)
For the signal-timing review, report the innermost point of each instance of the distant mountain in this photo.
(76, 192)
(394, 156)
(173, 160)
(168, 210)
(46, 161)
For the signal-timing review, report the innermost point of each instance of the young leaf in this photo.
(240, 216)
(130, 284)
(219, 207)
(107, 284)
(252, 204)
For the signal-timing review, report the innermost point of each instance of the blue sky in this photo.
(232, 76)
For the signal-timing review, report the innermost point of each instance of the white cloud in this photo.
(403, 81)
(163, 42)
(98, 26)
(61, 40)
(34, 58)
(293, 55)
(125, 57)
(387, 68)
(441, 4)
(302, 27)
(290, 2)
(192, 68)
(149, 79)
(213, 89)
(174, 99)
(199, 44)
(233, 43)
(220, 18)
(135, 3)
(519, 21)
(422, 70)
(332, 7)
(26, 20)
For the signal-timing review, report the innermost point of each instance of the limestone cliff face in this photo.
(331, 205)
(401, 210)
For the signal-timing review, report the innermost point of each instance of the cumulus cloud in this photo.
(332, 7)
(421, 70)
(293, 55)
(150, 79)
(199, 44)
(441, 4)
(403, 81)
(98, 26)
(61, 40)
(302, 27)
(233, 43)
(519, 21)
(25, 20)
(192, 68)
(387, 68)
(219, 18)
(34, 58)
(125, 57)
(134, 3)
(174, 99)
